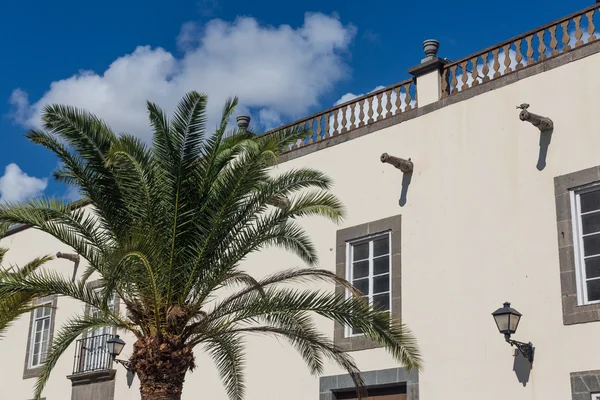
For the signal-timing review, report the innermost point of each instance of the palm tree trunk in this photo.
(161, 365)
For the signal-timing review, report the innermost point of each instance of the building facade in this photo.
(490, 192)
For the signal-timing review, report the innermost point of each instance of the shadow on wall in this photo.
(545, 138)
(130, 376)
(406, 178)
(522, 367)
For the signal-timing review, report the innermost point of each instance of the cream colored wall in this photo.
(479, 228)
(429, 88)
(24, 247)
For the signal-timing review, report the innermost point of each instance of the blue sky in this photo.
(283, 61)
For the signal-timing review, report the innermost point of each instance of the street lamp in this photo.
(115, 346)
(507, 320)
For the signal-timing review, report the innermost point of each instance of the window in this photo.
(586, 238)
(368, 269)
(577, 197)
(595, 396)
(369, 256)
(92, 349)
(40, 335)
(94, 312)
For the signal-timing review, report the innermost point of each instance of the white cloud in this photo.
(16, 185)
(19, 101)
(208, 8)
(351, 96)
(269, 118)
(281, 70)
(72, 194)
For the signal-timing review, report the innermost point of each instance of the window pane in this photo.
(592, 267)
(35, 359)
(381, 265)
(590, 223)
(38, 333)
(362, 285)
(361, 251)
(593, 290)
(591, 245)
(46, 331)
(381, 283)
(44, 351)
(361, 269)
(590, 201)
(47, 311)
(39, 312)
(381, 246)
(381, 301)
(36, 349)
(356, 331)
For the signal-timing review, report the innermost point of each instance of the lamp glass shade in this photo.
(514, 322)
(115, 346)
(507, 319)
(502, 322)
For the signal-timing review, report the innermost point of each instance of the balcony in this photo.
(91, 354)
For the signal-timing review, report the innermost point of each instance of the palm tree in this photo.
(11, 307)
(171, 226)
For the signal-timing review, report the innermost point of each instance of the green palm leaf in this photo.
(167, 230)
(13, 305)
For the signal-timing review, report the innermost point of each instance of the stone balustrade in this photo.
(520, 52)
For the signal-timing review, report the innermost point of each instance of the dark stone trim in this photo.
(515, 76)
(433, 64)
(572, 312)
(393, 224)
(328, 385)
(584, 384)
(94, 385)
(92, 377)
(35, 372)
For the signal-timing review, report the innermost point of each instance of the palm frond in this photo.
(168, 229)
(16, 304)
(226, 349)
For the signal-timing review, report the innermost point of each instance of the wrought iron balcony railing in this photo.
(91, 354)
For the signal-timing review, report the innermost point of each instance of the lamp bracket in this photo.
(124, 363)
(525, 348)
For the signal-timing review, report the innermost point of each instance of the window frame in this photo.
(349, 270)
(30, 371)
(572, 311)
(578, 250)
(96, 286)
(351, 233)
(90, 310)
(32, 343)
